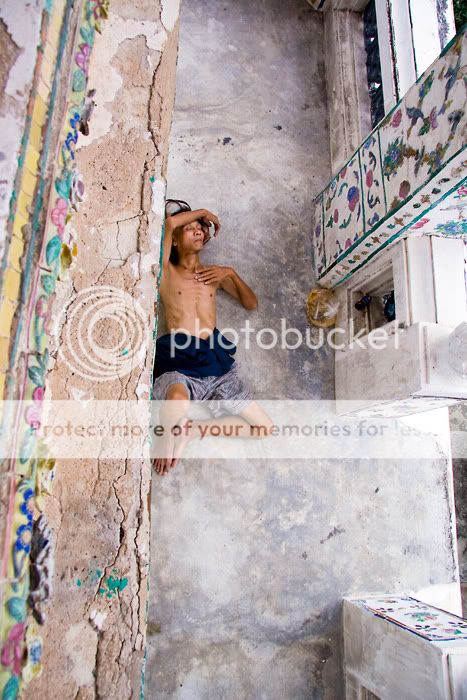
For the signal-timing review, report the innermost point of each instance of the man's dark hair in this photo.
(175, 206)
(174, 257)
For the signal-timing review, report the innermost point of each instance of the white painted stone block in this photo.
(386, 657)
(449, 280)
(420, 280)
(386, 55)
(425, 33)
(414, 372)
(402, 43)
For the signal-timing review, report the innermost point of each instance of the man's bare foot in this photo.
(162, 464)
(172, 445)
(183, 431)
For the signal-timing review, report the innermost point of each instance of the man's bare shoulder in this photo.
(178, 270)
(169, 269)
(174, 274)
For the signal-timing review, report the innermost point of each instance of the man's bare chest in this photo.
(181, 286)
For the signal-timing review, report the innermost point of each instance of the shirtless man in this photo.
(206, 370)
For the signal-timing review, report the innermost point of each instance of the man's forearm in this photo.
(247, 295)
(185, 217)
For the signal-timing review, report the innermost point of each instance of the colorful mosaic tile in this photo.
(12, 632)
(423, 133)
(374, 197)
(452, 217)
(431, 623)
(31, 473)
(343, 210)
(410, 179)
(414, 220)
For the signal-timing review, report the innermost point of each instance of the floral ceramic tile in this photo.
(343, 211)
(416, 218)
(374, 198)
(450, 218)
(318, 237)
(415, 616)
(425, 130)
(407, 178)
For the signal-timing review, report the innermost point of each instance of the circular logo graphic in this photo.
(103, 333)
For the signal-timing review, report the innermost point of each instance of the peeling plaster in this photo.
(22, 19)
(158, 196)
(142, 391)
(9, 52)
(78, 394)
(141, 355)
(81, 647)
(97, 619)
(25, 33)
(108, 83)
(169, 13)
(135, 265)
(148, 260)
(126, 174)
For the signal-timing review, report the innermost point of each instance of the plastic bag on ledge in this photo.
(322, 307)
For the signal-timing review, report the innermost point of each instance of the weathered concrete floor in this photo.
(250, 558)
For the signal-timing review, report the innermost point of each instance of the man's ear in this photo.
(175, 232)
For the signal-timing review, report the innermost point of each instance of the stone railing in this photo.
(409, 176)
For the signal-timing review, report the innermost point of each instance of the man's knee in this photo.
(177, 392)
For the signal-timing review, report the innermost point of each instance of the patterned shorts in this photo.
(228, 394)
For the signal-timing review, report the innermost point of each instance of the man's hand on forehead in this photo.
(211, 219)
(205, 227)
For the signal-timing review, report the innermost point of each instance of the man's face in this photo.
(193, 236)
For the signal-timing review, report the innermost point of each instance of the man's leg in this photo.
(252, 422)
(246, 418)
(175, 406)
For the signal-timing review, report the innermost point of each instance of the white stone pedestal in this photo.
(399, 648)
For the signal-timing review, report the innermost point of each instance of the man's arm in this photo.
(181, 219)
(230, 281)
(236, 287)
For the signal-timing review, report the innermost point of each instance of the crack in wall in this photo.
(116, 490)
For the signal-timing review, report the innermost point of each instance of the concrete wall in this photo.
(251, 557)
(94, 629)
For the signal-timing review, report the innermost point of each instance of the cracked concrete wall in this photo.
(94, 635)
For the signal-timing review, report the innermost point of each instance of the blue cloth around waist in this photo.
(194, 356)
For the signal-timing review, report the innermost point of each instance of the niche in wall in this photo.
(379, 288)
